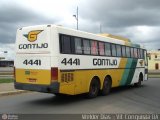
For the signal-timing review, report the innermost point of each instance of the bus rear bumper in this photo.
(52, 88)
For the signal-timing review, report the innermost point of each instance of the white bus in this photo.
(59, 60)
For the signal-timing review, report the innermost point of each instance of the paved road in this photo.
(145, 99)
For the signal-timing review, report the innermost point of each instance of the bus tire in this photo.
(94, 88)
(107, 84)
(139, 83)
(58, 94)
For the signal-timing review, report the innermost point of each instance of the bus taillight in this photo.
(54, 73)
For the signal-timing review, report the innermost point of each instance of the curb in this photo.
(13, 92)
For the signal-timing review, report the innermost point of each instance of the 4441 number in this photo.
(32, 62)
(71, 61)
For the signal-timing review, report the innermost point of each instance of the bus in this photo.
(59, 60)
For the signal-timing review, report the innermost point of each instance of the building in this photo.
(154, 60)
(6, 63)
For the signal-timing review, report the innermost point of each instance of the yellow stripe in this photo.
(82, 79)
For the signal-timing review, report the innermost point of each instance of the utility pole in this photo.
(76, 17)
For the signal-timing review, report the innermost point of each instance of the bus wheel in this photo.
(60, 95)
(139, 83)
(94, 88)
(107, 84)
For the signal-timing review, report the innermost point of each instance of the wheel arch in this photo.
(141, 75)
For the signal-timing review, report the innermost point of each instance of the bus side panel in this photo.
(67, 82)
(67, 89)
(83, 78)
(78, 81)
(132, 70)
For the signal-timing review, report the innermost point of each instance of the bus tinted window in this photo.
(101, 48)
(139, 55)
(123, 51)
(119, 51)
(135, 53)
(113, 48)
(142, 53)
(86, 46)
(108, 49)
(128, 52)
(132, 52)
(94, 48)
(78, 45)
(65, 42)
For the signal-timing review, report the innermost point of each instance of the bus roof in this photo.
(104, 35)
(115, 36)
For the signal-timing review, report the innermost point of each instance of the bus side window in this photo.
(108, 49)
(123, 51)
(113, 48)
(119, 50)
(139, 55)
(101, 48)
(143, 54)
(135, 53)
(78, 45)
(132, 52)
(94, 48)
(128, 51)
(65, 44)
(86, 46)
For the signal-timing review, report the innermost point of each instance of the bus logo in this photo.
(32, 35)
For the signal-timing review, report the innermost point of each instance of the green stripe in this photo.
(129, 73)
(126, 71)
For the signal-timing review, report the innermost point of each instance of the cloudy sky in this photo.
(138, 20)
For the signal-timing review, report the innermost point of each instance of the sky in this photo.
(138, 20)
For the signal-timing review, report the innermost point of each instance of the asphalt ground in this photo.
(129, 99)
